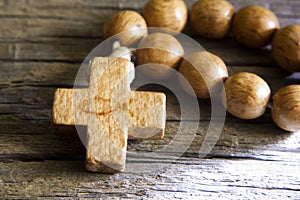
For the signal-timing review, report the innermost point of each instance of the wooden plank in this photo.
(239, 139)
(74, 52)
(7, 51)
(85, 18)
(2, 3)
(288, 8)
(77, 50)
(36, 25)
(27, 147)
(57, 74)
(38, 73)
(189, 178)
(291, 8)
(32, 29)
(92, 13)
(265, 3)
(24, 29)
(117, 4)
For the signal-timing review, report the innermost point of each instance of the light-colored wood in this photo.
(212, 19)
(171, 14)
(286, 48)
(205, 72)
(246, 95)
(108, 108)
(256, 31)
(147, 111)
(159, 48)
(126, 21)
(286, 108)
(94, 107)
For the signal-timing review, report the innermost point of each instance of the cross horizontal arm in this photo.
(146, 111)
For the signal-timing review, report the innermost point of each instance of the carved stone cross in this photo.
(110, 111)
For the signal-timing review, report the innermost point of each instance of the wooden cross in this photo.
(110, 111)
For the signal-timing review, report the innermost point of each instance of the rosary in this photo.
(247, 94)
(113, 113)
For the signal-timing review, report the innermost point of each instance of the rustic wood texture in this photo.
(42, 44)
(110, 106)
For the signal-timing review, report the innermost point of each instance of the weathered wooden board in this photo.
(42, 44)
(42, 31)
(185, 179)
(63, 8)
(55, 74)
(262, 141)
(66, 50)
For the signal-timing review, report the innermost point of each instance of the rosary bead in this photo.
(255, 26)
(286, 48)
(211, 18)
(131, 22)
(171, 14)
(286, 108)
(246, 95)
(205, 72)
(159, 48)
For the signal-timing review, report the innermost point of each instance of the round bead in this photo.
(159, 48)
(286, 48)
(131, 22)
(247, 95)
(170, 14)
(211, 18)
(254, 26)
(286, 108)
(205, 72)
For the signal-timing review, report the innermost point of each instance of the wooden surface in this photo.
(42, 44)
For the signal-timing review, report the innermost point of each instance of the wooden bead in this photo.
(171, 14)
(131, 22)
(286, 108)
(286, 48)
(211, 18)
(247, 95)
(254, 26)
(159, 48)
(205, 72)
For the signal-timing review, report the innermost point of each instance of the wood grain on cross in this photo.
(109, 110)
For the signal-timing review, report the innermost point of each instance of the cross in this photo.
(111, 112)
